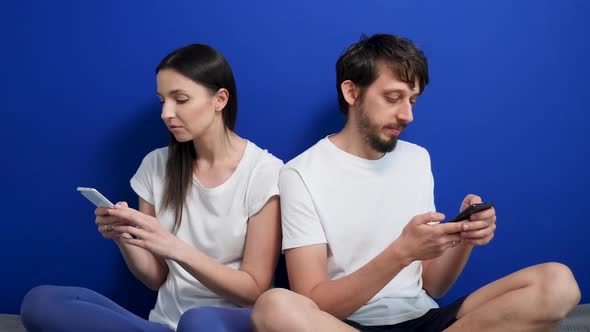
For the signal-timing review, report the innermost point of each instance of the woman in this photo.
(207, 232)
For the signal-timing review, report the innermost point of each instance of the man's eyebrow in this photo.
(401, 91)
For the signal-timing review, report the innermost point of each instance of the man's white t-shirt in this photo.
(358, 207)
(214, 220)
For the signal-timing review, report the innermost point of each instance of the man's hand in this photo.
(423, 240)
(480, 228)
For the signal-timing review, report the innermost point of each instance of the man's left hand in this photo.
(480, 229)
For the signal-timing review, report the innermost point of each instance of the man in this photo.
(362, 242)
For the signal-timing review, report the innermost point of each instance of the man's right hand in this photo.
(424, 238)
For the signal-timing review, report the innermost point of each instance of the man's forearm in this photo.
(344, 296)
(440, 273)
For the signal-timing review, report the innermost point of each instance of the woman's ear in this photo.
(221, 99)
(350, 92)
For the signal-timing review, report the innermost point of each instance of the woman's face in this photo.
(189, 109)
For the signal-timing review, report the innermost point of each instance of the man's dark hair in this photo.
(359, 63)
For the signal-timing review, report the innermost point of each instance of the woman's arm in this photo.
(149, 269)
(241, 286)
(261, 252)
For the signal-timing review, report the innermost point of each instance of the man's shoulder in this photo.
(312, 154)
(317, 154)
(405, 147)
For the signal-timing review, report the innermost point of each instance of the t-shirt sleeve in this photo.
(264, 184)
(299, 218)
(142, 181)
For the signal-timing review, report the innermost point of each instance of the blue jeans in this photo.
(65, 309)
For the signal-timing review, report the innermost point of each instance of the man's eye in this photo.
(392, 100)
(413, 102)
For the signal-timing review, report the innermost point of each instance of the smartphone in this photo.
(474, 208)
(95, 197)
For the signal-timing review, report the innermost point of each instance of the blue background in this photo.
(505, 116)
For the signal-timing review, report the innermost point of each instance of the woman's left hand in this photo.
(147, 232)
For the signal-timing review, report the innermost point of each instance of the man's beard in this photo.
(372, 132)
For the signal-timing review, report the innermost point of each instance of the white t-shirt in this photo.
(214, 220)
(358, 207)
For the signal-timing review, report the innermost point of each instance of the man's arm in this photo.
(308, 275)
(440, 273)
(308, 266)
(306, 251)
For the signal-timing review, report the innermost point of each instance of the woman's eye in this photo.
(392, 100)
(181, 101)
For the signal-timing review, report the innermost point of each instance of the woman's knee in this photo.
(38, 297)
(35, 304)
(215, 319)
(201, 314)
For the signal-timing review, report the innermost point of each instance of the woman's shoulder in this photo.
(156, 157)
(259, 156)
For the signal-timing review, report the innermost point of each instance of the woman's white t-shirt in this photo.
(214, 220)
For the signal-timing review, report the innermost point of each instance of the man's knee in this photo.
(277, 306)
(558, 291)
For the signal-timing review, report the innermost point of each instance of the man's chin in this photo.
(383, 146)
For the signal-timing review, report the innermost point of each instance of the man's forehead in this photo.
(389, 82)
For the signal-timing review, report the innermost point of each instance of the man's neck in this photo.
(352, 141)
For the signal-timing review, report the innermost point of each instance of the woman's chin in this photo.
(183, 138)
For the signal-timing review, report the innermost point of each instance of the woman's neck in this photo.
(218, 146)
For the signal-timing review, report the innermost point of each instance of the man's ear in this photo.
(221, 98)
(350, 92)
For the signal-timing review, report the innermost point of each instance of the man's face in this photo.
(385, 110)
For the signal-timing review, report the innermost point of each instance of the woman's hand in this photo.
(146, 232)
(106, 222)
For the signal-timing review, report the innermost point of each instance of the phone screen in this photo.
(95, 197)
(474, 208)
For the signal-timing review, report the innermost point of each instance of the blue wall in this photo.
(504, 117)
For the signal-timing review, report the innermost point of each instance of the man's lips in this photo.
(394, 130)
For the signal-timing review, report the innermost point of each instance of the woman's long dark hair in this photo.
(205, 66)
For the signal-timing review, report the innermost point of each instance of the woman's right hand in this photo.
(105, 223)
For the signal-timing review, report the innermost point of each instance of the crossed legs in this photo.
(533, 299)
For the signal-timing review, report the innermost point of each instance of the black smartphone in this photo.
(474, 208)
